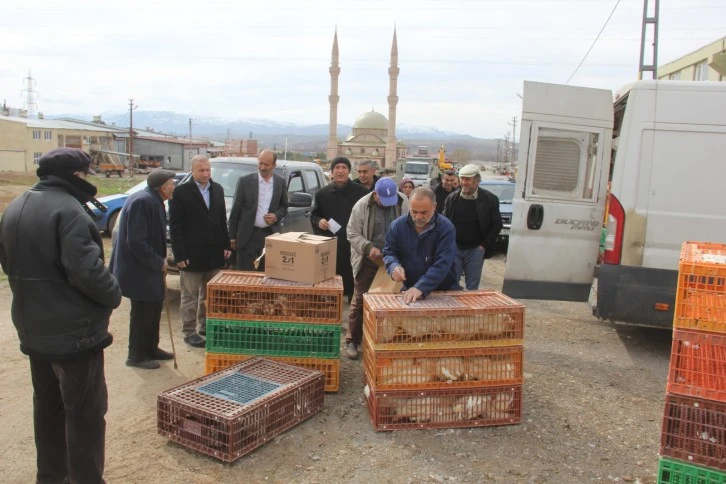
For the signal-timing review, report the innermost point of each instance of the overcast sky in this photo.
(462, 62)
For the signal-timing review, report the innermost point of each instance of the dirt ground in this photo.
(593, 403)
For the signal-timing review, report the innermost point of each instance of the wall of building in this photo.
(686, 68)
(13, 147)
(173, 153)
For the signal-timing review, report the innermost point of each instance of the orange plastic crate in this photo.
(450, 368)
(214, 362)
(694, 430)
(251, 296)
(701, 292)
(454, 408)
(698, 365)
(442, 320)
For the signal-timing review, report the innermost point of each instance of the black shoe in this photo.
(160, 354)
(195, 340)
(145, 364)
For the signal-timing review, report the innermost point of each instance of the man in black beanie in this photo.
(333, 205)
(63, 296)
(139, 262)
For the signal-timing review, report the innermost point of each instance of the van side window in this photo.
(295, 184)
(311, 178)
(565, 164)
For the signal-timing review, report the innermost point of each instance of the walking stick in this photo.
(168, 319)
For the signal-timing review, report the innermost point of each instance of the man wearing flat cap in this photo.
(139, 262)
(63, 296)
(330, 214)
(476, 217)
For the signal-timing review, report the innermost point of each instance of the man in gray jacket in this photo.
(63, 296)
(367, 226)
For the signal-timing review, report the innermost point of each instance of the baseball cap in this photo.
(387, 192)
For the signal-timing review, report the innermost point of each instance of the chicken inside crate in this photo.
(244, 295)
(444, 408)
(465, 367)
(479, 316)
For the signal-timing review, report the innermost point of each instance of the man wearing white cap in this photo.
(367, 226)
(475, 215)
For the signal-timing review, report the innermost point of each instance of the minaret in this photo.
(333, 98)
(390, 160)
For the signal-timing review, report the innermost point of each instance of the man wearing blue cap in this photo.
(367, 226)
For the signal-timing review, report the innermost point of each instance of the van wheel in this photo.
(111, 222)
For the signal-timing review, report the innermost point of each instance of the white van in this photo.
(667, 143)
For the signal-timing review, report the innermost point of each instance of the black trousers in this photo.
(252, 249)
(69, 404)
(144, 329)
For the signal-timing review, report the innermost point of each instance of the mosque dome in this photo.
(371, 120)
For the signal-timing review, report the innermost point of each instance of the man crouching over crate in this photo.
(421, 248)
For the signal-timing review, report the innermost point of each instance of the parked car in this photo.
(504, 190)
(106, 221)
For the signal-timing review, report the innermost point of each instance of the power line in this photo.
(594, 42)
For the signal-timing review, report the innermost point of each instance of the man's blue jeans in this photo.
(471, 263)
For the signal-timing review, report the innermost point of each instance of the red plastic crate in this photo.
(698, 365)
(230, 413)
(442, 320)
(450, 368)
(455, 408)
(329, 366)
(251, 296)
(694, 431)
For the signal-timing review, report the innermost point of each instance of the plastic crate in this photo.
(694, 430)
(230, 413)
(701, 292)
(442, 320)
(329, 367)
(273, 338)
(451, 368)
(455, 408)
(677, 472)
(698, 365)
(253, 297)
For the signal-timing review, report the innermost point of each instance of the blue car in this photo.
(504, 189)
(105, 221)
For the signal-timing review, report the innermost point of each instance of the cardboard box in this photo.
(300, 257)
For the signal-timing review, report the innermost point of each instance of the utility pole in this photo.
(498, 151)
(190, 128)
(653, 67)
(514, 140)
(131, 137)
(30, 93)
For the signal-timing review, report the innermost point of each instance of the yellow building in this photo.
(24, 140)
(705, 64)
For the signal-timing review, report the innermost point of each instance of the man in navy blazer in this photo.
(260, 203)
(200, 242)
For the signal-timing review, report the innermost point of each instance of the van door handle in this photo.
(535, 215)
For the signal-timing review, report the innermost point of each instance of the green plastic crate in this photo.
(273, 338)
(679, 472)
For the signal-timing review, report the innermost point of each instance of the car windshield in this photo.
(417, 168)
(503, 191)
(227, 174)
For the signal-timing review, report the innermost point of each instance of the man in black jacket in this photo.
(367, 177)
(476, 217)
(63, 296)
(444, 189)
(259, 205)
(200, 242)
(139, 263)
(332, 207)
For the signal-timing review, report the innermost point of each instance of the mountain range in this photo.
(298, 137)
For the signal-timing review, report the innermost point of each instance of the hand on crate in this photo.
(411, 295)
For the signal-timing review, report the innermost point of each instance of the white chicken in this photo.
(489, 326)
(415, 409)
(470, 407)
(483, 368)
(500, 406)
(405, 371)
(450, 368)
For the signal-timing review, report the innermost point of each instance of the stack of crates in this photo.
(453, 359)
(693, 439)
(232, 412)
(249, 315)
